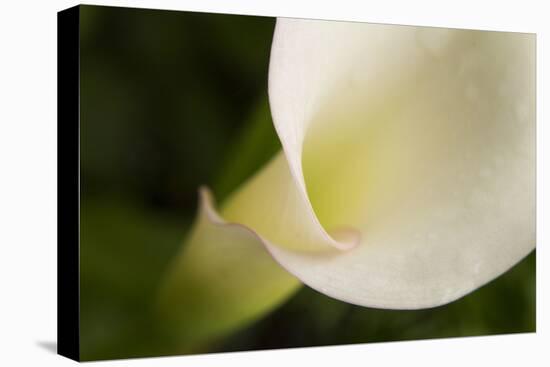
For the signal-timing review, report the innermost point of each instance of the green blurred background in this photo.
(174, 100)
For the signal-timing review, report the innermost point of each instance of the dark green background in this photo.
(173, 100)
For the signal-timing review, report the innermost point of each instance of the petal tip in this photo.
(346, 238)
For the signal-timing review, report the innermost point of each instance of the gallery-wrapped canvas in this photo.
(236, 183)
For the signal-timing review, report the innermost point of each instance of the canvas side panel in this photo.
(68, 172)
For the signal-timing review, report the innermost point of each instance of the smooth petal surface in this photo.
(423, 140)
(273, 206)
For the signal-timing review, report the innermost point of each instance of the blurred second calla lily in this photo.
(406, 180)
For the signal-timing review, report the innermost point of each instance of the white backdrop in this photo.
(28, 183)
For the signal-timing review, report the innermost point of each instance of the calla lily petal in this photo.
(421, 139)
(222, 279)
(272, 204)
(407, 177)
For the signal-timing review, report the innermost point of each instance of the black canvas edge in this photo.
(68, 183)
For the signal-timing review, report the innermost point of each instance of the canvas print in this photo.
(238, 183)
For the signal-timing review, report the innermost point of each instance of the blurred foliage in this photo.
(174, 100)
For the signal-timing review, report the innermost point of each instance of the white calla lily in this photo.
(407, 177)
